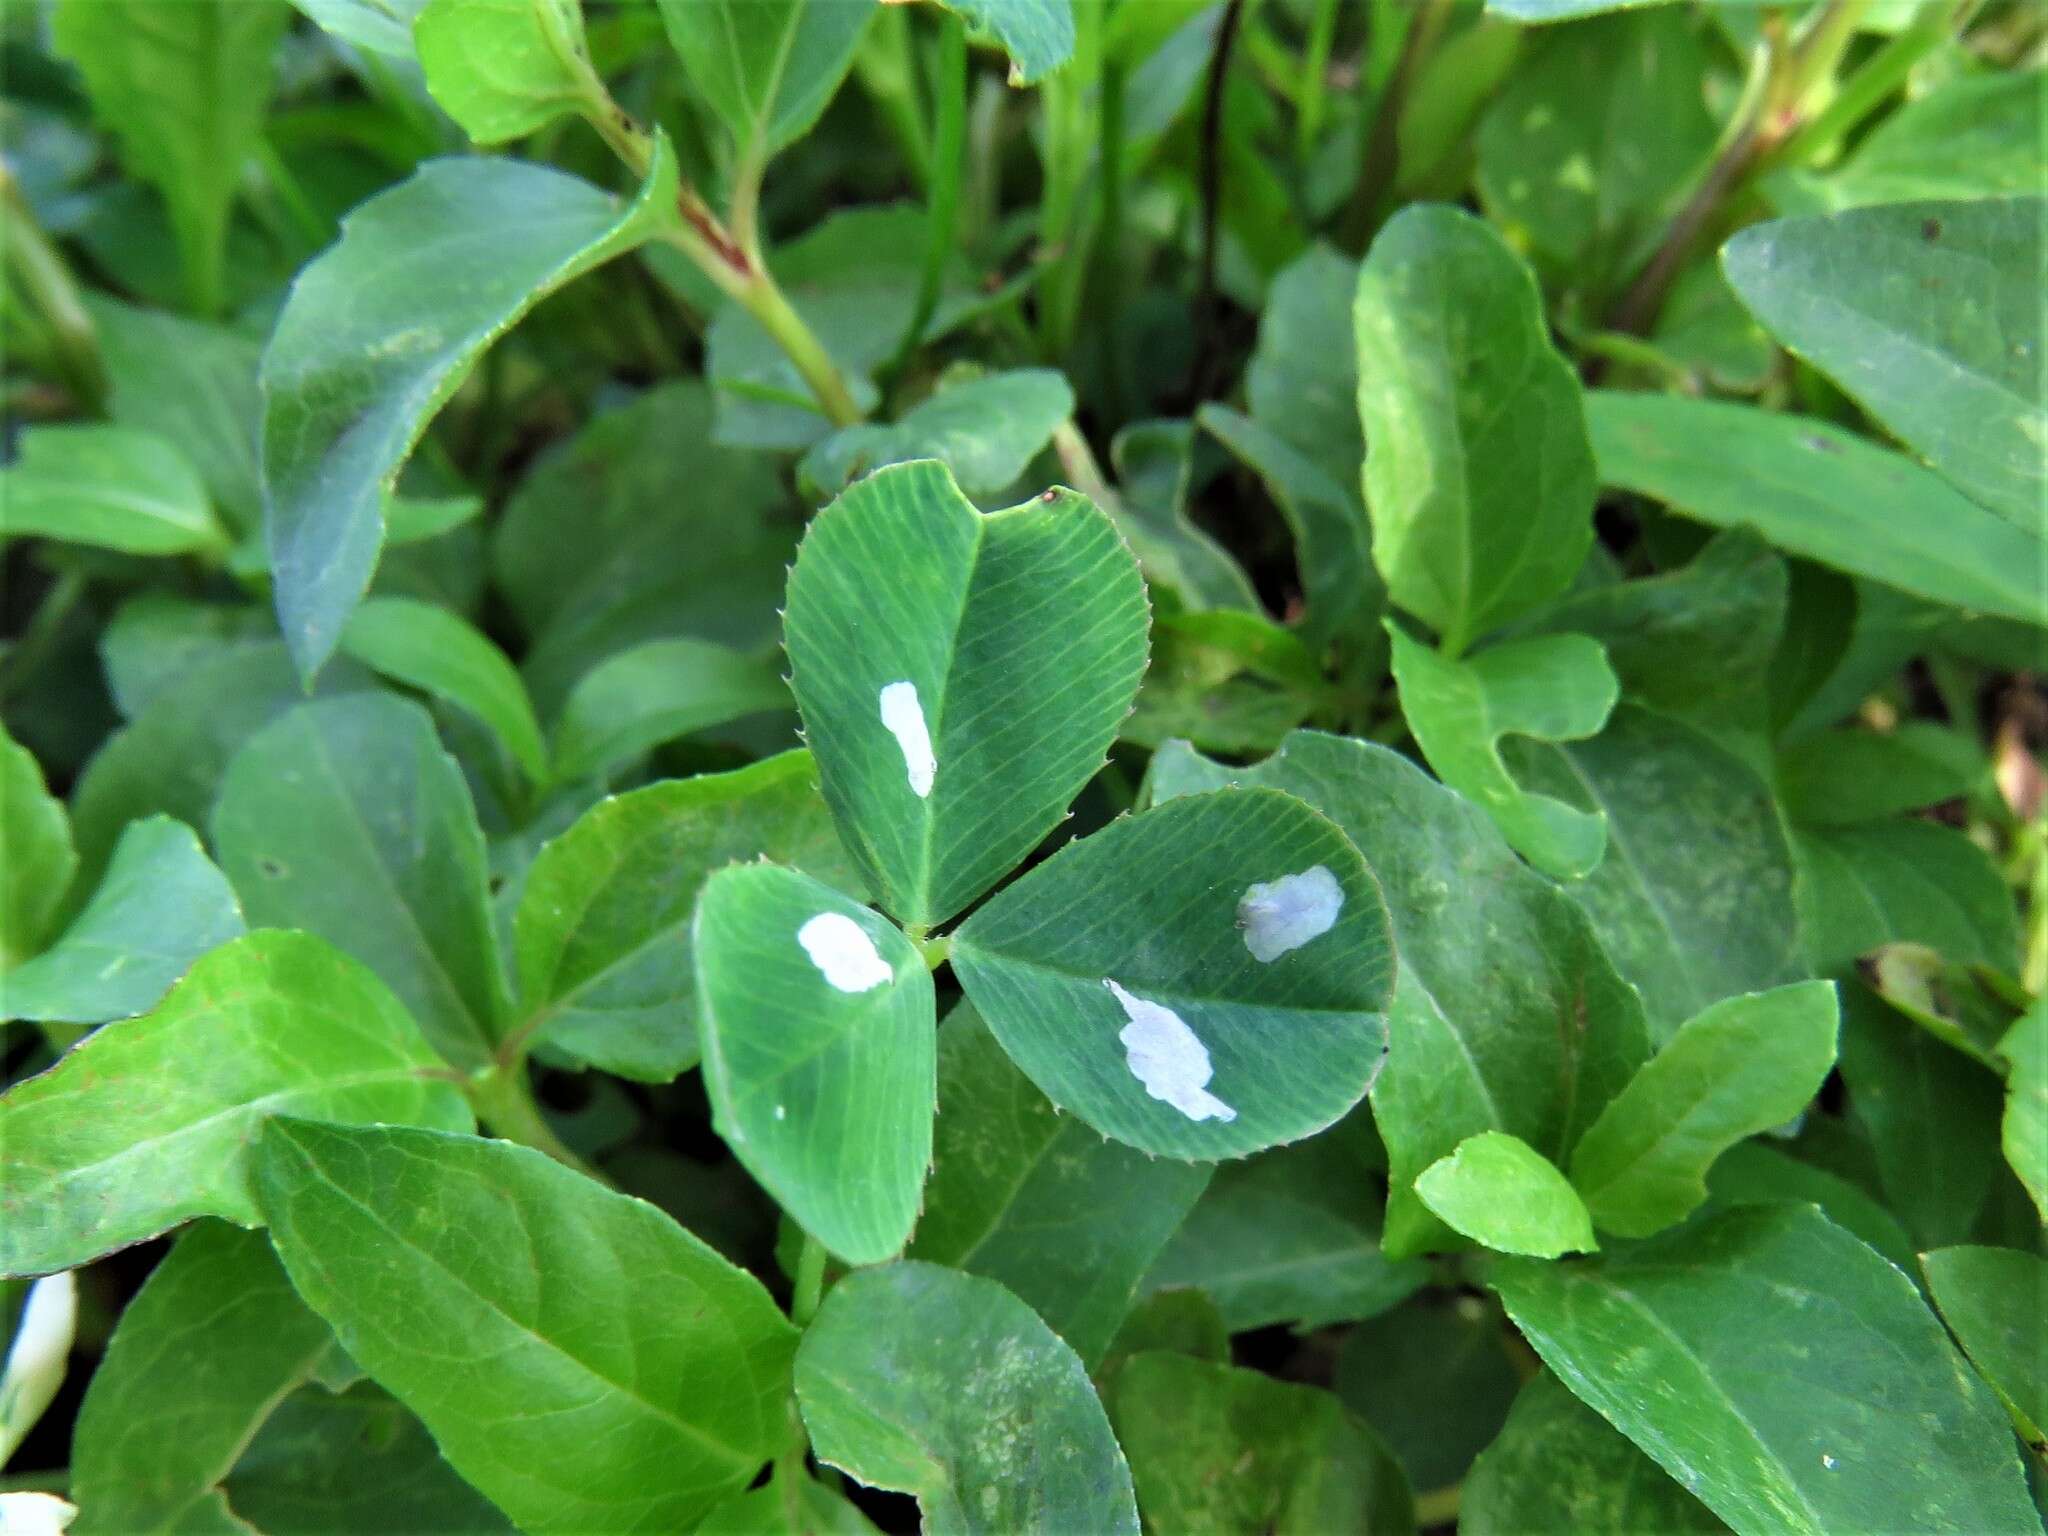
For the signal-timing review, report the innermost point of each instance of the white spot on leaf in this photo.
(35, 1514)
(1279, 915)
(1165, 1055)
(904, 717)
(840, 948)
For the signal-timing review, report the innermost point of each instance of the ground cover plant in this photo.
(1023, 765)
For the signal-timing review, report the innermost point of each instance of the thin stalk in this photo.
(1212, 153)
(810, 1282)
(1880, 75)
(1439, 1506)
(949, 154)
(886, 68)
(1381, 156)
(40, 638)
(503, 1101)
(36, 265)
(1773, 115)
(1109, 243)
(1078, 460)
(1066, 101)
(1315, 75)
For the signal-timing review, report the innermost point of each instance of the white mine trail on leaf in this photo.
(1285, 914)
(905, 718)
(36, 1360)
(841, 949)
(1165, 1055)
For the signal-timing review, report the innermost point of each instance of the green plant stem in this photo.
(1881, 74)
(40, 638)
(503, 1101)
(1439, 1506)
(936, 951)
(1078, 460)
(1772, 117)
(735, 266)
(886, 68)
(942, 219)
(1315, 72)
(810, 1282)
(1381, 151)
(35, 265)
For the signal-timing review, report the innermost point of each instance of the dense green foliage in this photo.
(1068, 766)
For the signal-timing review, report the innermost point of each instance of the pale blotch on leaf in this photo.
(1165, 1055)
(1284, 914)
(843, 952)
(904, 717)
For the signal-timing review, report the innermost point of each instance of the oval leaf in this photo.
(934, 1383)
(1498, 1191)
(1202, 981)
(580, 1358)
(960, 675)
(147, 1123)
(110, 487)
(818, 1020)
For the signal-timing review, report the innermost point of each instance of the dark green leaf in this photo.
(1214, 1448)
(1993, 1300)
(348, 819)
(1434, 1378)
(380, 330)
(1532, 1042)
(1888, 1430)
(147, 1122)
(1753, 1173)
(2024, 1126)
(960, 675)
(201, 1356)
(159, 907)
(1930, 314)
(1901, 882)
(1155, 467)
(943, 1385)
(1203, 980)
(640, 697)
(985, 430)
(766, 67)
(817, 1021)
(606, 969)
(521, 1310)
(1813, 489)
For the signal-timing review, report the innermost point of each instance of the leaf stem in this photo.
(949, 138)
(1438, 1507)
(810, 1282)
(503, 1100)
(34, 262)
(1078, 460)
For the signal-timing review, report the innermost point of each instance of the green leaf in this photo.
(111, 487)
(1970, 135)
(1689, 919)
(606, 969)
(1691, 642)
(765, 67)
(986, 431)
(960, 675)
(1993, 1300)
(192, 384)
(1888, 1431)
(811, 1509)
(1203, 980)
(422, 1251)
(1741, 1067)
(1497, 1190)
(326, 1463)
(1931, 1114)
(183, 87)
(1537, 12)
(1154, 462)
(1930, 315)
(1813, 489)
(40, 859)
(1477, 468)
(382, 26)
(159, 907)
(1290, 1236)
(1559, 1469)
(1901, 882)
(218, 1332)
(1838, 778)
(817, 1022)
(1034, 1199)
(169, 761)
(380, 330)
(929, 1382)
(1433, 1377)
(502, 68)
(638, 698)
(155, 639)
(585, 549)
(1594, 138)
(1553, 688)
(1532, 1042)
(146, 1123)
(347, 818)
(1751, 1173)
(2024, 1126)
(1181, 1321)
(1227, 680)
(1215, 1448)
(1038, 35)
(433, 650)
